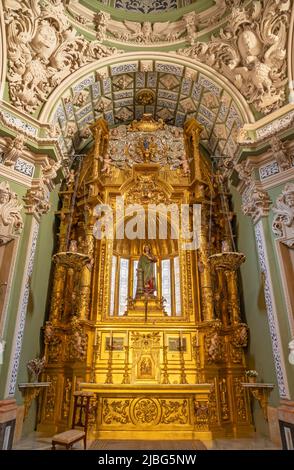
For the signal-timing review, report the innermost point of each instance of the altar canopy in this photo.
(146, 321)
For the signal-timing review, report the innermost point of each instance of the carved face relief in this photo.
(249, 45)
(4, 197)
(45, 40)
(146, 29)
(289, 199)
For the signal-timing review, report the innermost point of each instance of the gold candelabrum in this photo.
(165, 379)
(183, 377)
(144, 370)
(126, 376)
(109, 377)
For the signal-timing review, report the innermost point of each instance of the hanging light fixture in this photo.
(229, 258)
(71, 257)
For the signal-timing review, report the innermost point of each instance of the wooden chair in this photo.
(79, 419)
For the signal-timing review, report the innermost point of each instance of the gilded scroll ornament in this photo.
(174, 411)
(116, 411)
(145, 411)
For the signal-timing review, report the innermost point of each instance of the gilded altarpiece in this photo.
(167, 360)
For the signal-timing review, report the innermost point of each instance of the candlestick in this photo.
(165, 368)
(183, 379)
(109, 366)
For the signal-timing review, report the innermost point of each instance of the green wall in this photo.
(31, 346)
(9, 326)
(259, 355)
(284, 326)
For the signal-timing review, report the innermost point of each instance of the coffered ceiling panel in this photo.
(123, 93)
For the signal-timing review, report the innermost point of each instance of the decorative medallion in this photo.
(146, 124)
(145, 97)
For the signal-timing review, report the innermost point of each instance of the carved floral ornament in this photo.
(11, 223)
(251, 52)
(283, 223)
(43, 49)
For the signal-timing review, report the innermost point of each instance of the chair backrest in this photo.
(81, 409)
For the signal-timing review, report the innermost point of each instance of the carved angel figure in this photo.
(280, 153)
(283, 223)
(146, 32)
(215, 347)
(50, 172)
(11, 222)
(13, 149)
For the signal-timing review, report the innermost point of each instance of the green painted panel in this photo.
(259, 355)
(32, 342)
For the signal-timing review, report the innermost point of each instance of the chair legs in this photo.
(85, 443)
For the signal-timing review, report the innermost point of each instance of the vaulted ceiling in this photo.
(167, 91)
(70, 63)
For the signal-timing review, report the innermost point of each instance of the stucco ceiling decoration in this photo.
(251, 52)
(188, 28)
(170, 92)
(43, 49)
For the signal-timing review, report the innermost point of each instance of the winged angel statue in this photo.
(43, 49)
(251, 51)
(146, 32)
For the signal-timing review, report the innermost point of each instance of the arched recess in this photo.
(211, 99)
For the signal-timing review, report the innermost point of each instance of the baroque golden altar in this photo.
(170, 361)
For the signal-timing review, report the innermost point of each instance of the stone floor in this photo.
(36, 441)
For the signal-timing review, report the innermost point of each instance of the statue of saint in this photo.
(146, 283)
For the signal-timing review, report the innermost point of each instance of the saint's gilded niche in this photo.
(152, 327)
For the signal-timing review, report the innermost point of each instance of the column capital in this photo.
(36, 199)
